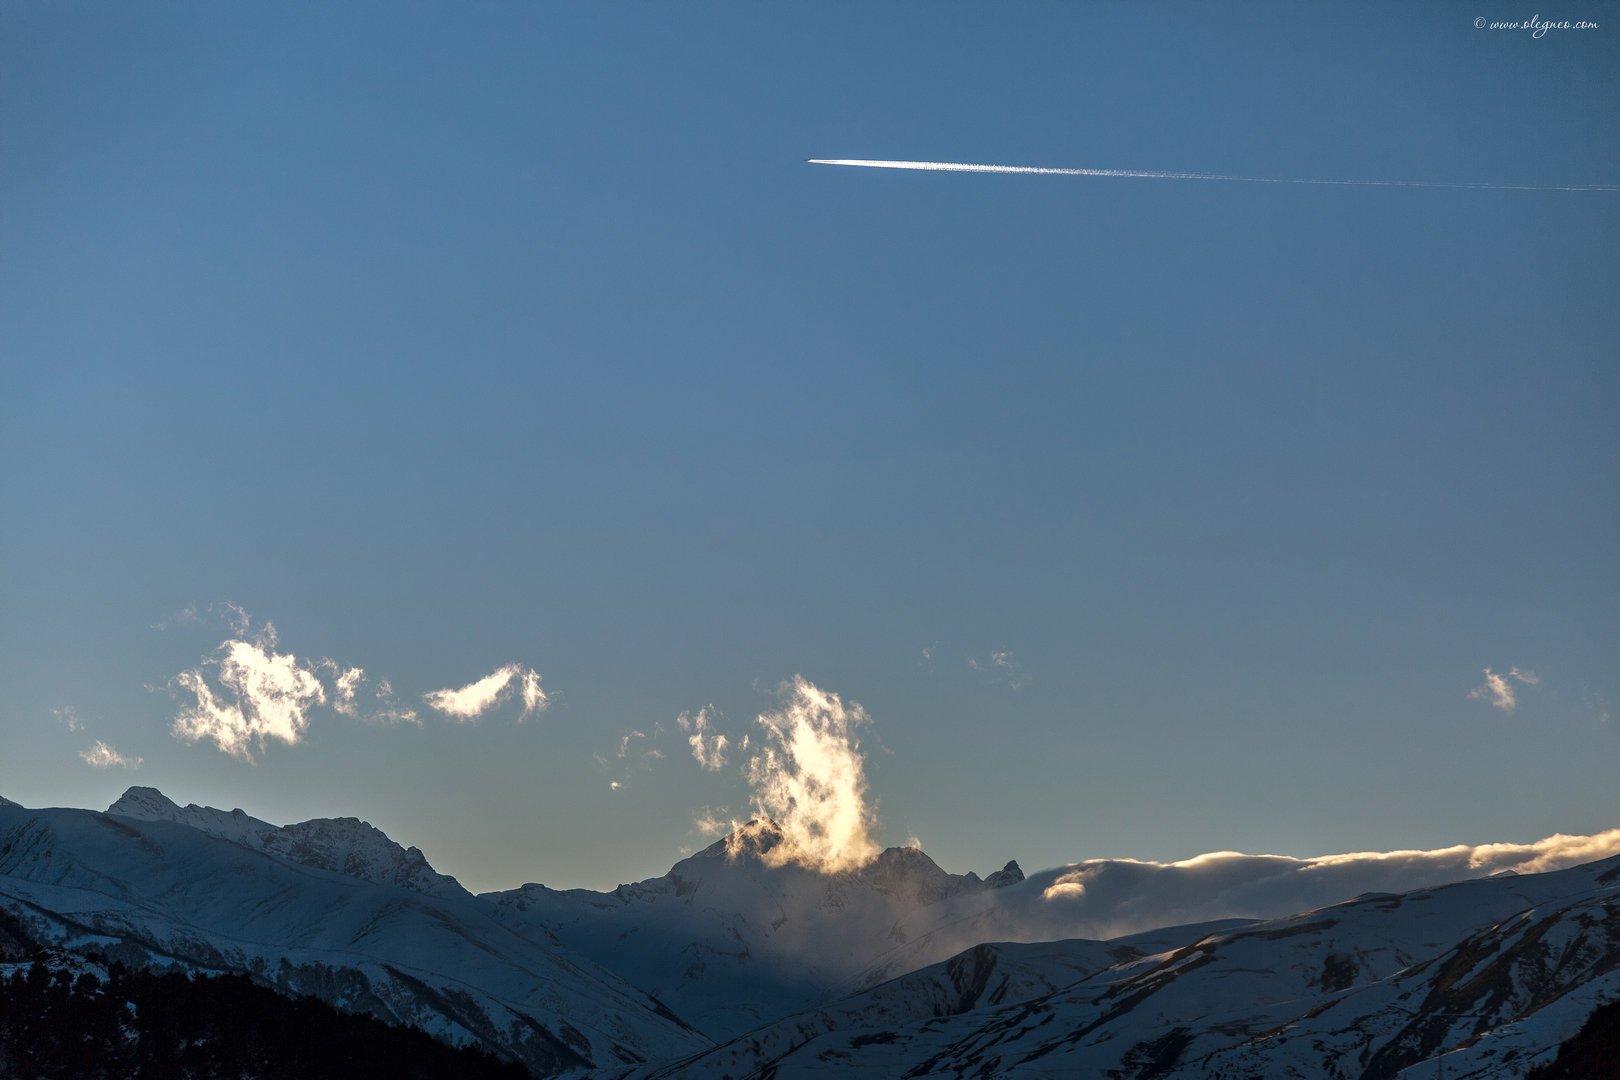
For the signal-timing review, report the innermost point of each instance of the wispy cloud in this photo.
(477, 698)
(101, 756)
(1000, 667)
(708, 746)
(389, 710)
(1161, 174)
(1498, 689)
(345, 685)
(809, 777)
(184, 617)
(69, 719)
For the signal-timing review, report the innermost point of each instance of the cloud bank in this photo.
(809, 777)
(475, 699)
(1108, 897)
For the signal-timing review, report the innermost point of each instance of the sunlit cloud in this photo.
(1104, 897)
(808, 776)
(267, 696)
(477, 698)
(708, 746)
(389, 710)
(69, 719)
(101, 756)
(713, 822)
(345, 685)
(238, 619)
(1498, 689)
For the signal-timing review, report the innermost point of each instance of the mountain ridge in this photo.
(738, 960)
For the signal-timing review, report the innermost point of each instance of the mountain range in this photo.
(743, 961)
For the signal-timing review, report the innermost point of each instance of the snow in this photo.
(728, 964)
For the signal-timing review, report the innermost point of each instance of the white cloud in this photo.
(1107, 897)
(65, 715)
(476, 698)
(346, 682)
(713, 822)
(809, 778)
(268, 696)
(101, 756)
(390, 711)
(708, 746)
(1499, 691)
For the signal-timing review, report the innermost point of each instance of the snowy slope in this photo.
(735, 964)
(738, 941)
(344, 845)
(164, 892)
(1493, 974)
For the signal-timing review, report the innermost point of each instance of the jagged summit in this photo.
(906, 872)
(1011, 874)
(345, 845)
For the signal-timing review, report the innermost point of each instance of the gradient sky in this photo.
(451, 337)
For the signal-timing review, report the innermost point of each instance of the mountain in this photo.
(161, 893)
(740, 961)
(346, 846)
(739, 939)
(1487, 976)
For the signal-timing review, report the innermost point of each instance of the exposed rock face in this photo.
(1011, 874)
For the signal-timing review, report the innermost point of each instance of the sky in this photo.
(515, 357)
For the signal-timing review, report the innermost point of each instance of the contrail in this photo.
(1146, 174)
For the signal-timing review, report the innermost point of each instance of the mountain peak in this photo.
(751, 841)
(147, 803)
(1011, 874)
(345, 845)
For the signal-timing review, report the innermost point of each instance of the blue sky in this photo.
(447, 339)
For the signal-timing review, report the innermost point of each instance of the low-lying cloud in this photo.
(1108, 897)
(808, 776)
(472, 701)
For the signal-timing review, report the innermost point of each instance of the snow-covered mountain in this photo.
(165, 893)
(737, 963)
(345, 845)
(739, 941)
(1490, 976)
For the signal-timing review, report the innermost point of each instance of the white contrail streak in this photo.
(1146, 174)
